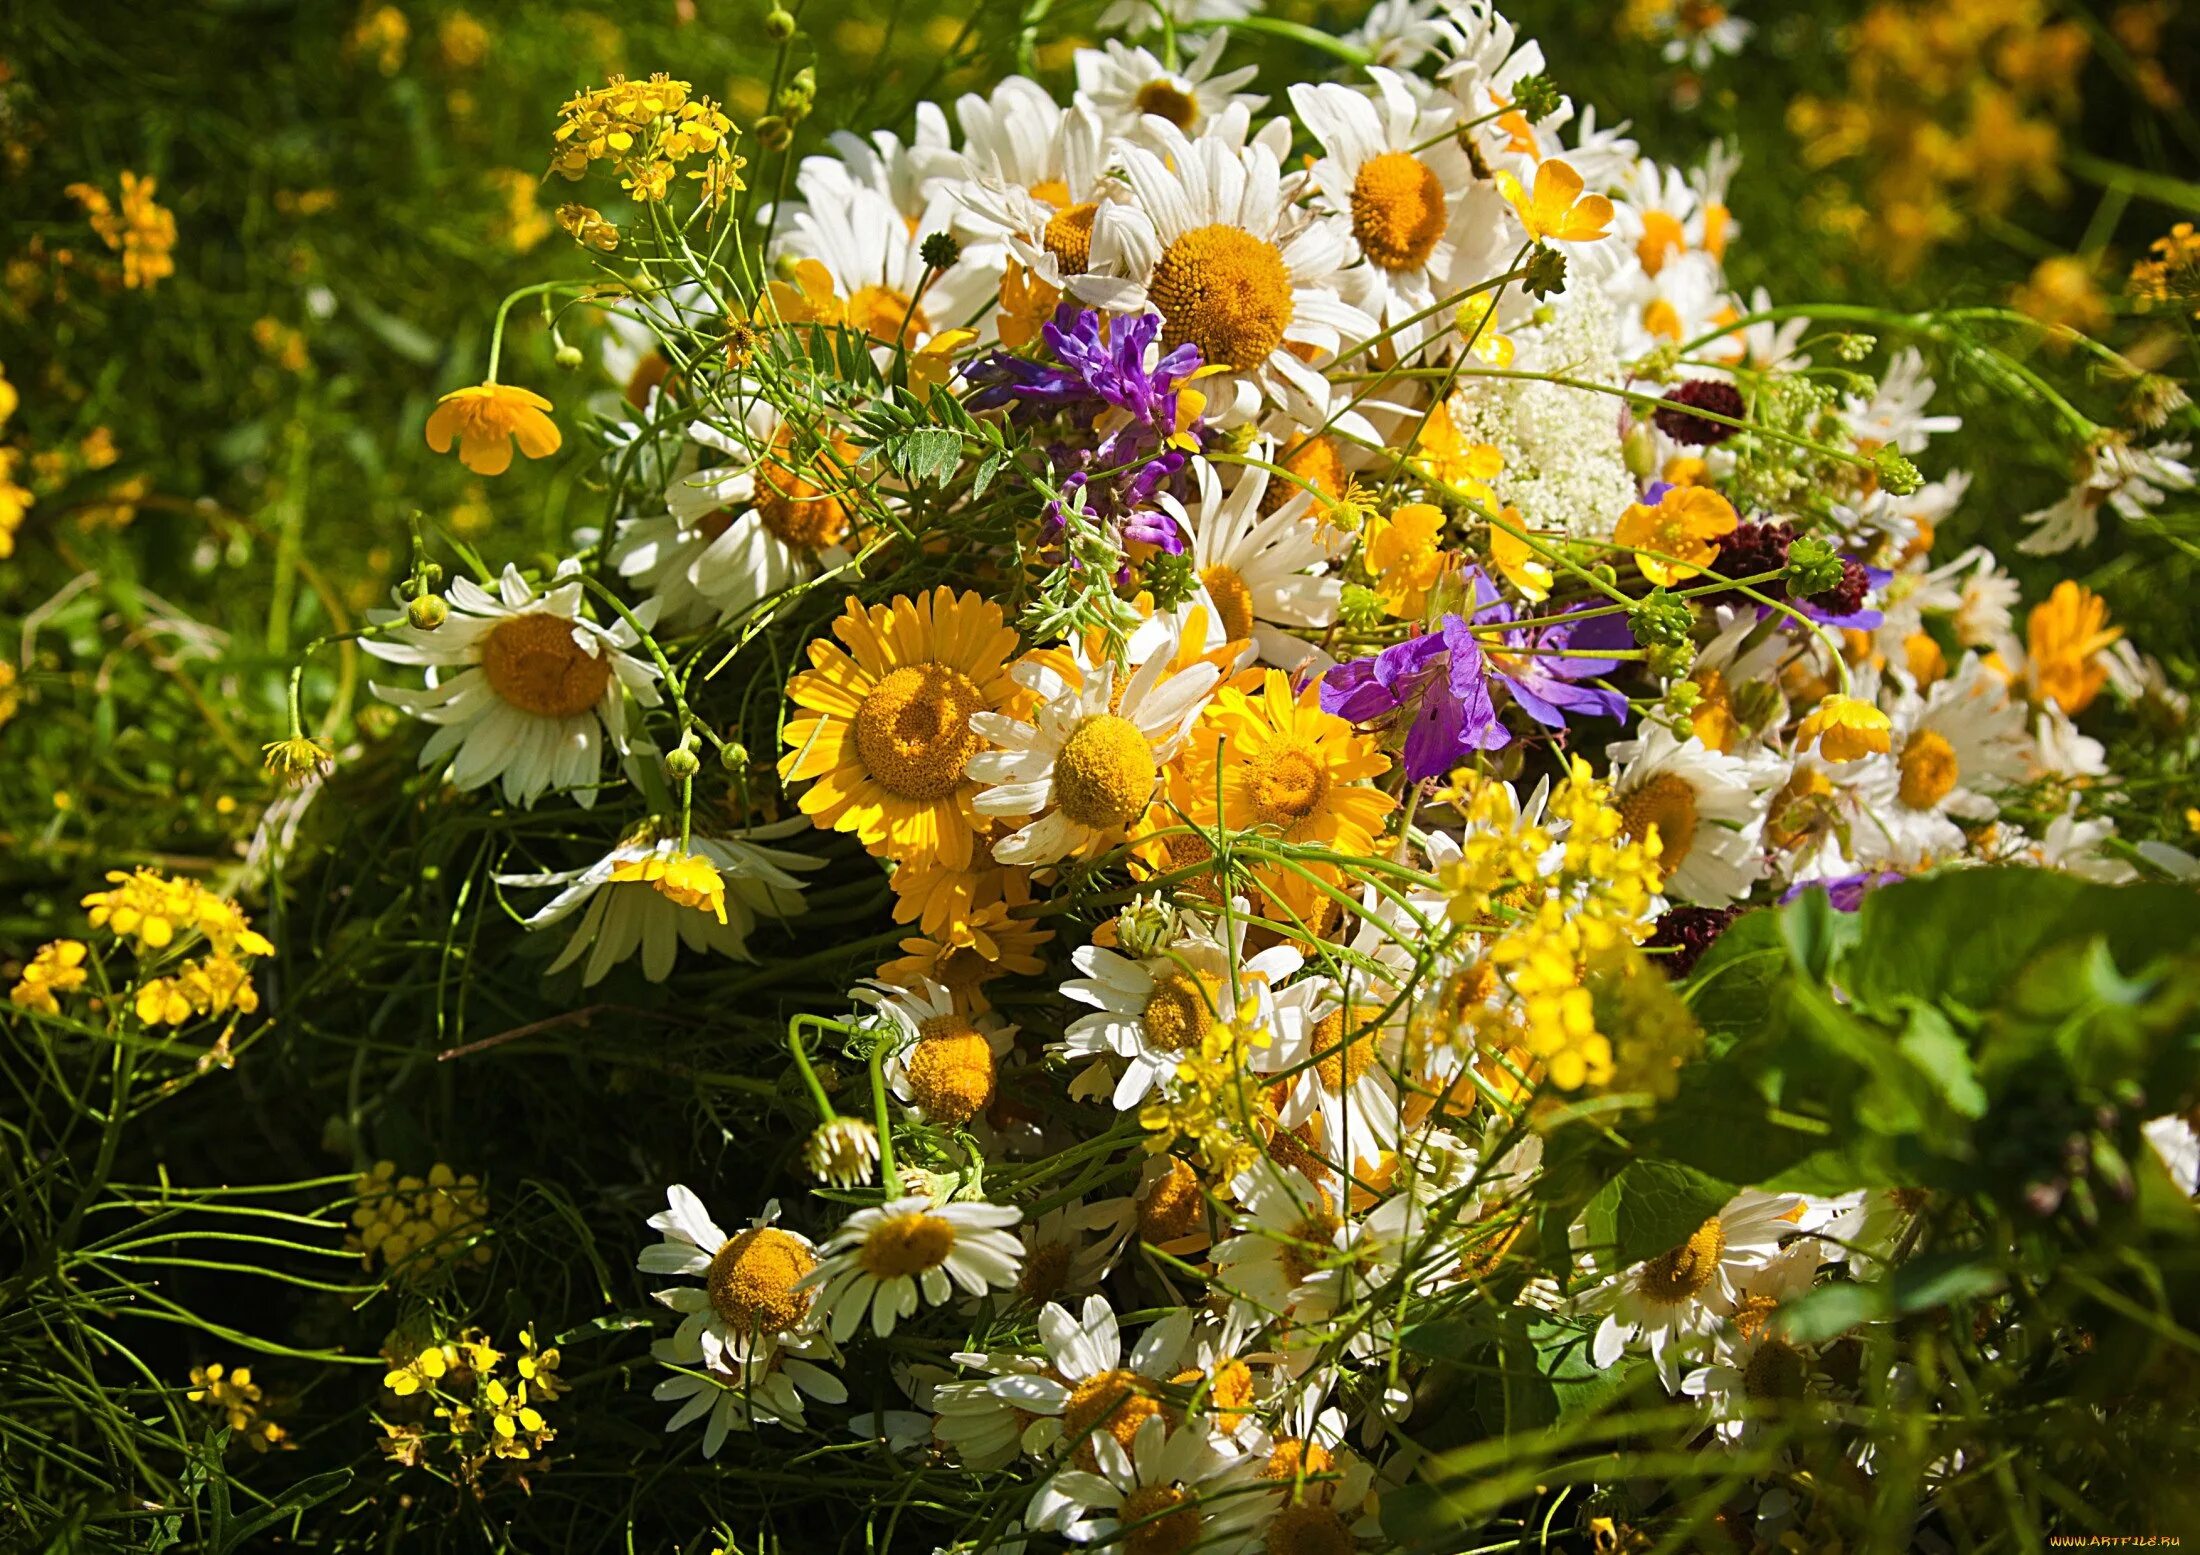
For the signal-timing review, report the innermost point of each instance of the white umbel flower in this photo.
(886, 1262)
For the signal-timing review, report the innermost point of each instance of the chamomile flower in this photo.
(767, 1389)
(1170, 1491)
(524, 689)
(1285, 1259)
(1150, 1012)
(1212, 243)
(752, 1297)
(1069, 1250)
(1337, 1057)
(1263, 568)
(2116, 474)
(1756, 1371)
(1035, 174)
(1677, 1300)
(1090, 1389)
(943, 1062)
(1707, 809)
(1087, 762)
(1125, 85)
(869, 270)
(622, 911)
(886, 1262)
(1135, 18)
(1954, 748)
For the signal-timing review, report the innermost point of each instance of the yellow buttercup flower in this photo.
(933, 363)
(1405, 552)
(1845, 728)
(1681, 528)
(1557, 211)
(2064, 637)
(882, 733)
(485, 419)
(686, 878)
(1516, 559)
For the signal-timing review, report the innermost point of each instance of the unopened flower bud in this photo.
(1670, 659)
(681, 763)
(1813, 566)
(1660, 618)
(427, 612)
(1640, 450)
(940, 250)
(1546, 275)
(734, 755)
(1854, 348)
(1897, 476)
(569, 357)
(774, 133)
(1536, 97)
(778, 24)
(1142, 928)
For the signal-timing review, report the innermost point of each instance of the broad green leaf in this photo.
(1653, 1207)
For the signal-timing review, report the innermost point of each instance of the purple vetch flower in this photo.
(1527, 660)
(1445, 673)
(1845, 892)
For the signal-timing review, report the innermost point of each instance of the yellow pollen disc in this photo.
(1180, 1011)
(533, 663)
(752, 1281)
(1233, 600)
(1397, 210)
(950, 1069)
(1292, 1459)
(1929, 769)
(1046, 1271)
(905, 1245)
(1168, 101)
(1051, 191)
(1309, 1528)
(887, 315)
(1667, 803)
(913, 730)
(1751, 1313)
(1229, 1390)
(797, 509)
(1289, 783)
(1104, 773)
(1308, 1245)
(1175, 1208)
(1161, 1519)
(1314, 461)
(1293, 1149)
(1776, 1373)
(1068, 237)
(1117, 1402)
(1340, 1062)
(1688, 1270)
(1225, 291)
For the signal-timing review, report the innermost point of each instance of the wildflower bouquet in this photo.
(1454, 931)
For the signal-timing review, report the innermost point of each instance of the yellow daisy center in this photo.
(1104, 773)
(913, 730)
(1309, 1528)
(1289, 782)
(533, 663)
(1929, 769)
(1229, 1390)
(1175, 1208)
(1225, 291)
(1046, 1271)
(1167, 100)
(1179, 1012)
(950, 1069)
(1314, 461)
(1233, 600)
(1668, 803)
(1161, 1519)
(1776, 1373)
(1397, 210)
(799, 510)
(887, 315)
(1688, 1270)
(1117, 1402)
(1068, 237)
(1292, 1459)
(752, 1281)
(906, 1245)
(1308, 1244)
(1341, 1060)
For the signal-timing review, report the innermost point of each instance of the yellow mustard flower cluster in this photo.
(419, 1227)
(481, 1413)
(158, 913)
(1213, 1104)
(233, 1395)
(15, 500)
(141, 229)
(2170, 274)
(57, 969)
(645, 130)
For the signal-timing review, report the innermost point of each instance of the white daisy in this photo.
(2116, 474)
(1069, 1250)
(1954, 748)
(1087, 764)
(1678, 1299)
(943, 1062)
(1708, 810)
(1135, 18)
(1286, 1258)
(752, 1297)
(881, 1260)
(1127, 85)
(622, 911)
(1399, 34)
(1150, 1011)
(1261, 575)
(1173, 1490)
(523, 686)
(767, 1389)
(870, 253)
(1894, 414)
(1089, 1390)
(1757, 1371)
(1213, 245)
(1035, 176)
(1338, 1067)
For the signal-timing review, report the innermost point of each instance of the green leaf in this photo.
(1652, 1207)
(924, 456)
(1731, 986)
(298, 1498)
(1944, 1058)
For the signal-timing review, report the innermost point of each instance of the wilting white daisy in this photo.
(525, 688)
(622, 910)
(1124, 85)
(767, 1389)
(1285, 1257)
(1089, 1390)
(1679, 1298)
(1954, 748)
(2116, 474)
(1185, 1489)
(1708, 809)
(1087, 763)
(1401, 194)
(880, 1260)
(1150, 1011)
(1262, 574)
(985, 1429)
(752, 1296)
(1069, 1250)
(943, 1062)
(1212, 244)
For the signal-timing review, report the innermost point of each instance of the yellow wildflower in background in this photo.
(1682, 528)
(57, 969)
(462, 40)
(211, 985)
(146, 906)
(142, 230)
(2170, 274)
(235, 1397)
(417, 1227)
(644, 130)
(2063, 294)
(381, 35)
(460, 1384)
(2064, 639)
(585, 225)
(486, 419)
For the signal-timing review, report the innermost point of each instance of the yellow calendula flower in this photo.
(1681, 528)
(2064, 639)
(1557, 211)
(1845, 728)
(57, 969)
(485, 419)
(686, 878)
(1405, 553)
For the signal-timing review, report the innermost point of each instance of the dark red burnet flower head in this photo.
(1678, 420)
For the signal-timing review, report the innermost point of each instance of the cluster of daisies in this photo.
(1385, 607)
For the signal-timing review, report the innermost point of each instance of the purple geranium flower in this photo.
(1445, 673)
(1545, 685)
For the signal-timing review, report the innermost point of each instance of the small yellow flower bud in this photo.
(427, 612)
